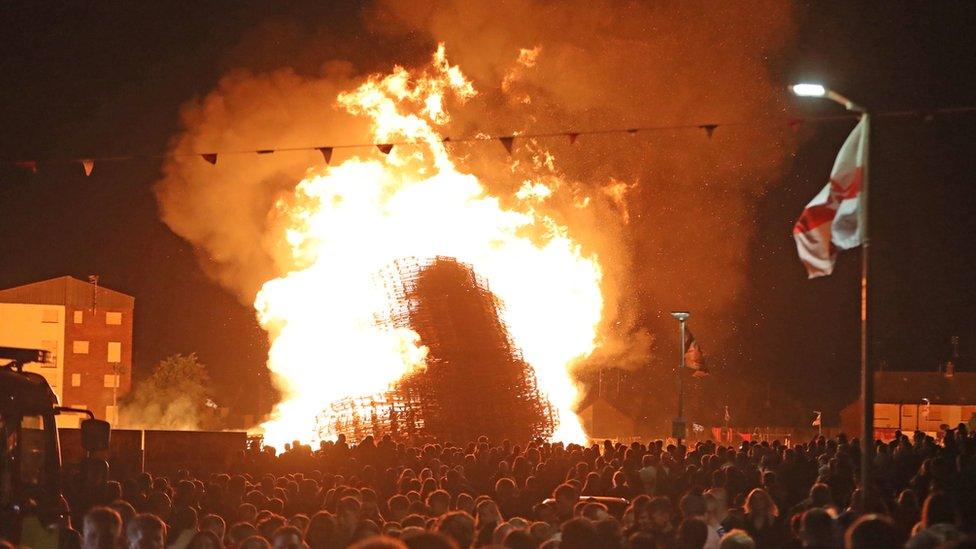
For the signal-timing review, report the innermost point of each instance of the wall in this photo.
(37, 327)
(90, 369)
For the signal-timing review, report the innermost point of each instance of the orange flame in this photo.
(346, 223)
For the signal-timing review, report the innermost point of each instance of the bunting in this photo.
(507, 142)
(793, 123)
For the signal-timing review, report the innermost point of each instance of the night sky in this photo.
(101, 79)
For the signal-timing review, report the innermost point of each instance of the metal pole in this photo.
(867, 375)
(681, 369)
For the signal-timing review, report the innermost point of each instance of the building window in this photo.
(51, 346)
(79, 317)
(114, 351)
(76, 380)
(50, 316)
(111, 380)
(110, 414)
(79, 347)
(113, 319)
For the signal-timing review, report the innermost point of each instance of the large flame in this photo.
(346, 223)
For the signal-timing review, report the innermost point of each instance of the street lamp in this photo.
(807, 89)
(678, 425)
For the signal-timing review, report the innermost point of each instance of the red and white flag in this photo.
(694, 355)
(830, 220)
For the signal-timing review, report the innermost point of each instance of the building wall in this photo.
(106, 335)
(36, 327)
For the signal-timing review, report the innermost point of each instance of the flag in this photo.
(697, 428)
(816, 422)
(507, 142)
(830, 220)
(694, 356)
(728, 416)
(88, 165)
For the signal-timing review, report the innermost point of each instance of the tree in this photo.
(175, 396)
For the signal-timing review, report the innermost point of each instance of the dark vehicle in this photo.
(31, 502)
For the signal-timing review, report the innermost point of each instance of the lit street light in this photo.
(807, 89)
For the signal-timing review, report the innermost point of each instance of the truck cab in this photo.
(30, 456)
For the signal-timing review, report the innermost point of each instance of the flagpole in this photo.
(678, 426)
(867, 373)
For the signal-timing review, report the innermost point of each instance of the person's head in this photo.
(938, 509)
(817, 527)
(215, 524)
(379, 542)
(255, 542)
(871, 532)
(145, 531)
(420, 539)
(438, 503)
(458, 526)
(239, 532)
(578, 533)
(737, 539)
(287, 537)
(205, 539)
(519, 539)
(692, 505)
(102, 529)
(658, 512)
(760, 503)
(594, 511)
(322, 530)
(820, 495)
(692, 533)
(566, 496)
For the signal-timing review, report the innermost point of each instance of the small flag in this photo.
(572, 138)
(632, 131)
(709, 129)
(265, 151)
(694, 356)
(88, 165)
(385, 148)
(830, 220)
(817, 421)
(717, 434)
(30, 165)
(728, 416)
(326, 153)
(697, 428)
(507, 142)
(210, 157)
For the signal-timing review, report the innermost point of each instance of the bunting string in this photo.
(507, 141)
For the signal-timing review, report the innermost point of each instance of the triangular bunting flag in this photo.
(446, 140)
(326, 153)
(89, 165)
(632, 131)
(210, 157)
(507, 142)
(385, 148)
(265, 151)
(572, 138)
(709, 129)
(27, 165)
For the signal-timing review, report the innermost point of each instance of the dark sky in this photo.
(84, 79)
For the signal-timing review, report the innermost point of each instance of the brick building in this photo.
(88, 330)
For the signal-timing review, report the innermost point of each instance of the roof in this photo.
(903, 387)
(68, 291)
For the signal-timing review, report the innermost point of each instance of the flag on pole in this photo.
(830, 220)
(816, 422)
(694, 356)
(728, 416)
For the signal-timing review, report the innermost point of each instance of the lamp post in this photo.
(867, 375)
(678, 425)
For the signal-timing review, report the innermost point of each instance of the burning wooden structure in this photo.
(476, 381)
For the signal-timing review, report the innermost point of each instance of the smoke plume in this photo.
(668, 212)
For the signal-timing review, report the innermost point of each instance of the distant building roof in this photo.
(904, 387)
(68, 291)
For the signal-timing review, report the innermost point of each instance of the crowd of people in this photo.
(383, 494)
